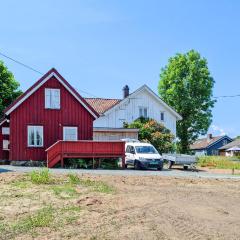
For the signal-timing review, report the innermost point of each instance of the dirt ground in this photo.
(138, 208)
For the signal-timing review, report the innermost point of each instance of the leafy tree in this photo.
(9, 88)
(153, 132)
(186, 85)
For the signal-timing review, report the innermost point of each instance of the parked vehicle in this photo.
(142, 156)
(187, 161)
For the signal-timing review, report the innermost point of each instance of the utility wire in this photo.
(18, 62)
(32, 69)
(228, 96)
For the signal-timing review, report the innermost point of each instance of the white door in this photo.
(70, 133)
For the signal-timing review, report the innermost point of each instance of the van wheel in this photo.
(126, 165)
(137, 165)
(185, 167)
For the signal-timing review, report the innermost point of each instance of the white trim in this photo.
(3, 121)
(40, 84)
(34, 126)
(70, 127)
(145, 87)
(115, 129)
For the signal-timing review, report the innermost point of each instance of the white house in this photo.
(142, 102)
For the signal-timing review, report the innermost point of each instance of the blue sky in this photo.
(99, 46)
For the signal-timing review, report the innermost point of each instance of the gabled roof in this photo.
(101, 105)
(204, 143)
(235, 143)
(51, 73)
(111, 104)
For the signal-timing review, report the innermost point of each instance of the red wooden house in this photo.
(49, 111)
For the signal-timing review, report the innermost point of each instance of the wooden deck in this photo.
(84, 149)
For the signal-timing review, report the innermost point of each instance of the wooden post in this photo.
(62, 163)
(123, 161)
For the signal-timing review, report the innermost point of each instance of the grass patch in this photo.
(72, 209)
(41, 177)
(73, 178)
(21, 184)
(42, 218)
(65, 191)
(97, 186)
(218, 162)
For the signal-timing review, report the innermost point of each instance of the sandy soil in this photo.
(141, 208)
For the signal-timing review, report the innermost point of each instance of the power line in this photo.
(228, 96)
(32, 69)
(18, 62)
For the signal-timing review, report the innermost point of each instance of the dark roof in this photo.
(235, 143)
(51, 71)
(101, 105)
(205, 142)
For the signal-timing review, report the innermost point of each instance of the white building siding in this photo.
(129, 111)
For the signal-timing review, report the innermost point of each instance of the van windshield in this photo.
(145, 149)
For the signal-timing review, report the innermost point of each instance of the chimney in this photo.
(209, 137)
(125, 91)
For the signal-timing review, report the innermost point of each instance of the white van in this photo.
(142, 156)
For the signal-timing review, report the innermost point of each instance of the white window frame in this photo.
(142, 109)
(50, 98)
(5, 131)
(163, 116)
(35, 128)
(4, 144)
(69, 127)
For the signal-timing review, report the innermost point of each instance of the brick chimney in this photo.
(209, 137)
(125, 91)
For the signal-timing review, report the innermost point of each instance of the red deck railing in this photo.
(84, 149)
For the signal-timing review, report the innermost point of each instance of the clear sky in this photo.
(99, 46)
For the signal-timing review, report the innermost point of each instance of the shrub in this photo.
(73, 178)
(41, 177)
(219, 162)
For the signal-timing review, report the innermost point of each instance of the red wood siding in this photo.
(32, 112)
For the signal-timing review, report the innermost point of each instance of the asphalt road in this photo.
(126, 172)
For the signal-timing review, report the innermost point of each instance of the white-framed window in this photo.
(5, 131)
(70, 133)
(162, 116)
(35, 136)
(143, 112)
(5, 144)
(225, 141)
(52, 98)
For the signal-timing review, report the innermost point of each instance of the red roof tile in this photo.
(101, 105)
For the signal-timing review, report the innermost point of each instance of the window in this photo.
(162, 116)
(130, 149)
(225, 142)
(35, 136)
(143, 112)
(70, 133)
(146, 149)
(5, 131)
(214, 152)
(52, 98)
(5, 144)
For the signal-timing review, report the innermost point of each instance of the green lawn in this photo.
(219, 162)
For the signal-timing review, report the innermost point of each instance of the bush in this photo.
(153, 132)
(41, 177)
(219, 162)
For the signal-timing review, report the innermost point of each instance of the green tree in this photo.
(9, 88)
(153, 132)
(186, 85)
